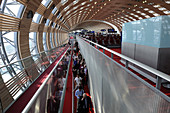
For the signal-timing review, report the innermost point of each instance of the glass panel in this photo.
(8, 40)
(53, 90)
(6, 76)
(116, 90)
(46, 2)
(75, 1)
(8, 54)
(64, 1)
(54, 10)
(51, 40)
(58, 15)
(36, 18)
(44, 41)
(66, 8)
(33, 44)
(12, 8)
(47, 22)
(55, 39)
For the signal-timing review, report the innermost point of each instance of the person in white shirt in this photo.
(77, 81)
(63, 81)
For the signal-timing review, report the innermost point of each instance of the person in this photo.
(75, 61)
(82, 75)
(51, 105)
(77, 81)
(74, 70)
(62, 81)
(59, 70)
(84, 104)
(79, 92)
(59, 92)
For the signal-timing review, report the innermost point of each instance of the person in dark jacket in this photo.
(84, 104)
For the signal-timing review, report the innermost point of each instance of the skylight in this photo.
(36, 18)
(75, 2)
(64, 1)
(162, 8)
(146, 9)
(46, 2)
(83, 3)
(47, 22)
(66, 8)
(54, 10)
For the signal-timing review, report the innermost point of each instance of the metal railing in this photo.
(160, 75)
(32, 68)
(33, 99)
(72, 94)
(38, 54)
(65, 86)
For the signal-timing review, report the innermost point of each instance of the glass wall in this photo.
(51, 40)
(46, 2)
(33, 45)
(12, 8)
(36, 18)
(45, 41)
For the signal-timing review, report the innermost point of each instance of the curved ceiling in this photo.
(115, 11)
(59, 16)
(92, 26)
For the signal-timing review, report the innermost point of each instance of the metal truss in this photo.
(9, 57)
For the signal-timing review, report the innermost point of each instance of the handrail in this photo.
(29, 57)
(72, 93)
(64, 91)
(28, 106)
(148, 68)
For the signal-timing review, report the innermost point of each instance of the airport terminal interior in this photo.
(84, 56)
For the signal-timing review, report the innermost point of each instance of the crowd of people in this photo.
(80, 74)
(59, 78)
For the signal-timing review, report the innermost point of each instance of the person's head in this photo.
(60, 87)
(77, 75)
(80, 88)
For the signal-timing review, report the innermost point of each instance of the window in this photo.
(51, 40)
(33, 45)
(8, 55)
(58, 16)
(64, 1)
(12, 8)
(36, 18)
(55, 39)
(46, 2)
(54, 10)
(44, 41)
(47, 22)
(66, 8)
